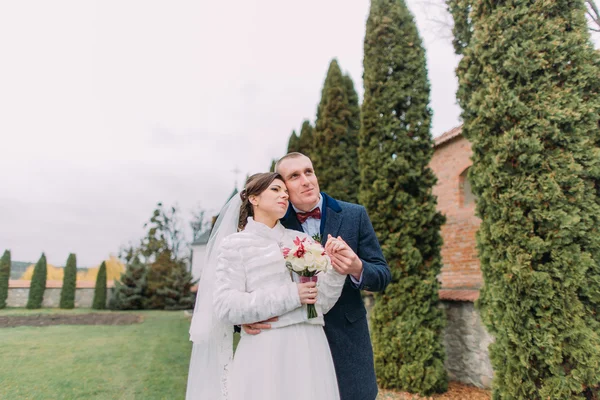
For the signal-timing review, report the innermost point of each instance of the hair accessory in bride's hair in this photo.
(243, 195)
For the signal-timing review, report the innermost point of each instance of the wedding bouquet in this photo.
(307, 258)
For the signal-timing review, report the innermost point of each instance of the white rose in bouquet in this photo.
(307, 258)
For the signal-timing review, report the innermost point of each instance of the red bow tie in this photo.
(303, 216)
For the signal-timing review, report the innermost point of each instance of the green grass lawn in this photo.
(141, 361)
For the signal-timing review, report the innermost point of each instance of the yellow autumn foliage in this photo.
(114, 268)
(53, 273)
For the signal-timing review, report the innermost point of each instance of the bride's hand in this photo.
(308, 292)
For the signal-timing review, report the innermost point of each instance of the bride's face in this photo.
(273, 202)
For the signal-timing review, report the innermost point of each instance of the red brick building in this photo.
(461, 276)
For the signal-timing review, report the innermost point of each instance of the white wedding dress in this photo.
(291, 361)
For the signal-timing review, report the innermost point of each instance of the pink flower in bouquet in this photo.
(307, 258)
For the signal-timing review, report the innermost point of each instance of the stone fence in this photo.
(465, 338)
(18, 293)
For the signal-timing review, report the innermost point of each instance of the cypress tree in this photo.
(354, 107)
(352, 137)
(462, 29)
(4, 277)
(306, 139)
(590, 292)
(293, 143)
(528, 86)
(396, 188)
(336, 136)
(130, 292)
(38, 284)
(99, 302)
(67, 293)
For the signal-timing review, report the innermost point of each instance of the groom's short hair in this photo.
(293, 154)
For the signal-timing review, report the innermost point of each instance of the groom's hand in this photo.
(343, 259)
(255, 328)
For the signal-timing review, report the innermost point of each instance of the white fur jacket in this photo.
(253, 284)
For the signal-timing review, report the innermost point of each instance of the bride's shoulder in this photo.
(230, 246)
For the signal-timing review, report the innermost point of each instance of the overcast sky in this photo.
(107, 107)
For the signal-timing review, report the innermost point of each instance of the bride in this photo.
(245, 280)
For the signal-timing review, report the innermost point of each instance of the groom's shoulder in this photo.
(353, 207)
(344, 206)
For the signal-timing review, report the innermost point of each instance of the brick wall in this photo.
(459, 255)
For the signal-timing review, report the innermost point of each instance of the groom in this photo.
(359, 256)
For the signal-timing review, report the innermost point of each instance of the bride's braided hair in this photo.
(255, 185)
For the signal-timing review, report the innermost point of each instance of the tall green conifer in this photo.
(293, 143)
(528, 85)
(396, 188)
(336, 136)
(67, 293)
(5, 262)
(100, 291)
(306, 139)
(38, 284)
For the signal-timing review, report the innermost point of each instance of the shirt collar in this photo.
(319, 205)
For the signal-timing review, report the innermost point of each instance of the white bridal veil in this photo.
(213, 339)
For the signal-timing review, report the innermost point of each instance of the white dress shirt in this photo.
(312, 226)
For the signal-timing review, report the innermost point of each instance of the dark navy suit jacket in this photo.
(346, 323)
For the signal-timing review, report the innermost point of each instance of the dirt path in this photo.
(456, 391)
(70, 319)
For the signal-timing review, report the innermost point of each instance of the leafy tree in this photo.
(165, 282)
(164, 234)
(593, 15)
(199, 223)
(396, 188)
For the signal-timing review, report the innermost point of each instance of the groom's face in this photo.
(301, 181)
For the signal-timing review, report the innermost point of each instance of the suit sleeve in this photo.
(376, 273)
(234, 305)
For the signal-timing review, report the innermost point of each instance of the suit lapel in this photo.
(331, 219)
(290, 220)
